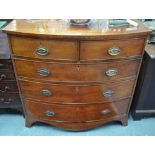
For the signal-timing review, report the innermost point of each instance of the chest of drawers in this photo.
(75, 78)
(9, 94)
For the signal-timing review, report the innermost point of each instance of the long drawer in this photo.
(6, 76)
(5, 65)
(66, 93)
(8, 87)
(8, 99)
(101, 50)
(77, 72)
(76, 113)
(44, 49)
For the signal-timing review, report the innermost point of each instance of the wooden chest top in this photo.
(61, 29)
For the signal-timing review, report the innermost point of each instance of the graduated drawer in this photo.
(76, 112)
(9, 99)
(44, 49)
(8, 87)
(68, 93)
(101, 50)
(100, 72)
(6, 76)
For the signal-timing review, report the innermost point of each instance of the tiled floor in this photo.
(13, 125)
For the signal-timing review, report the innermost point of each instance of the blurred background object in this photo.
(150, 23)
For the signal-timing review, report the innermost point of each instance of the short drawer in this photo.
(102, 50)
(9, 100)
(68, 93)
(44, 49)
(6, 76)
(92, 72)
(76, 112)
(8, 87)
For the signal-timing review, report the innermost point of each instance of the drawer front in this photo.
(76, 93)
(5, 65)
(8, 87)
(76, 112)
(77, 72)
(44, 49)
(6, 76)
(101, 50)
(9, 100)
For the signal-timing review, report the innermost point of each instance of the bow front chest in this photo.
(75, 78)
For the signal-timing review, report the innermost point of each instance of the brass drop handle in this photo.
(43, 72)
(111, 72)
(114, 51)
(46, 92)
(108, 93)
(5, 89)
(105, 111)
(49, 113)
(3, 76)
(42, 51)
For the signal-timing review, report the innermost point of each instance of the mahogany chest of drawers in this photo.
(143, 104)
(75, 78)
(9, 94)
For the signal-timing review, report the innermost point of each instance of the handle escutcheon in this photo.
(114, 51)
(46, 93)
(105, 111)
(49, 113)
(42, 51)
(108, 93)
(43, 72)
(3, 76)
(5, 89)
(111, 72)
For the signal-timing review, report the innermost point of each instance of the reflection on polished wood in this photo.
(76, 78)
(61, 29)
(82, 72)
